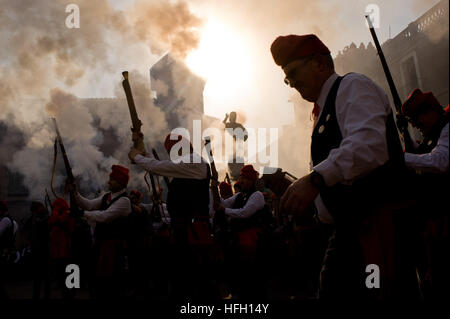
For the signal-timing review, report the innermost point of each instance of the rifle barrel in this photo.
(131, 106)
(63, 151)
(387, 72)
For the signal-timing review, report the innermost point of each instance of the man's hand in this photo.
(137, 209)
(138, 141)
(219, 208)
(299, 196)
(133, 152)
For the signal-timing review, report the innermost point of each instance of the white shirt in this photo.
(192, 166)
(361, 110)
(121, 207)
(437, 161)
(254, 203)
(5, 223)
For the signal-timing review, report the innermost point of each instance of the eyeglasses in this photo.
(290, 77)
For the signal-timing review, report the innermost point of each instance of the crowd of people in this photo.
(365, 202)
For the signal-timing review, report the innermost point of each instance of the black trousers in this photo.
(343, 272)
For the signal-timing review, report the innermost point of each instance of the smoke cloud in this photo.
(44, 64)
(49, 70)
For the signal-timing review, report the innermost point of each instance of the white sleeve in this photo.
(121, 207)
(88, 204)
(255, 202)
(172, 169)
(4, 224)
(437, 161)
(361, 111)
(229, 202)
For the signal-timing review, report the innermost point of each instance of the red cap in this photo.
(137, 193)
(120, 174)
(3, 205)
(60, 204)
(249, 172)
(225, 189)
(286, 49)
(418, 102)
(170, 142)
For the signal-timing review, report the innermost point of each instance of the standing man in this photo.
(109, 213)
(188, 207)
(38, 231)
(425, 113)
(430, 162)
(248, 215)
(61, 226)
(6, 240)
(353, 146)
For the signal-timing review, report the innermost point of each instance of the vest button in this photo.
(327, 118)
(321, 129)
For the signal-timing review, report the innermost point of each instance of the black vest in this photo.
(261, 218)
(188, 198)
(117, 228)
(346, 202)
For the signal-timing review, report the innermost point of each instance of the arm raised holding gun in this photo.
(138, 141)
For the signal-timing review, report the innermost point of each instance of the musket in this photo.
(218, 219)
(138, 142)
(74, 210)
(402, 124)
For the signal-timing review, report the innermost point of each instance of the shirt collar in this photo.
(326, 87)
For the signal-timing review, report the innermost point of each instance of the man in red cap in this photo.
(425, 113)
(246, 211)
(430, 187)
(61, 226)
(351, 149)
(188, 207)
(108, 213)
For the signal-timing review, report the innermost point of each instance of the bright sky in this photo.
(234, 56)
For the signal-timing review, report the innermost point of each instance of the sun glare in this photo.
(222, 59)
